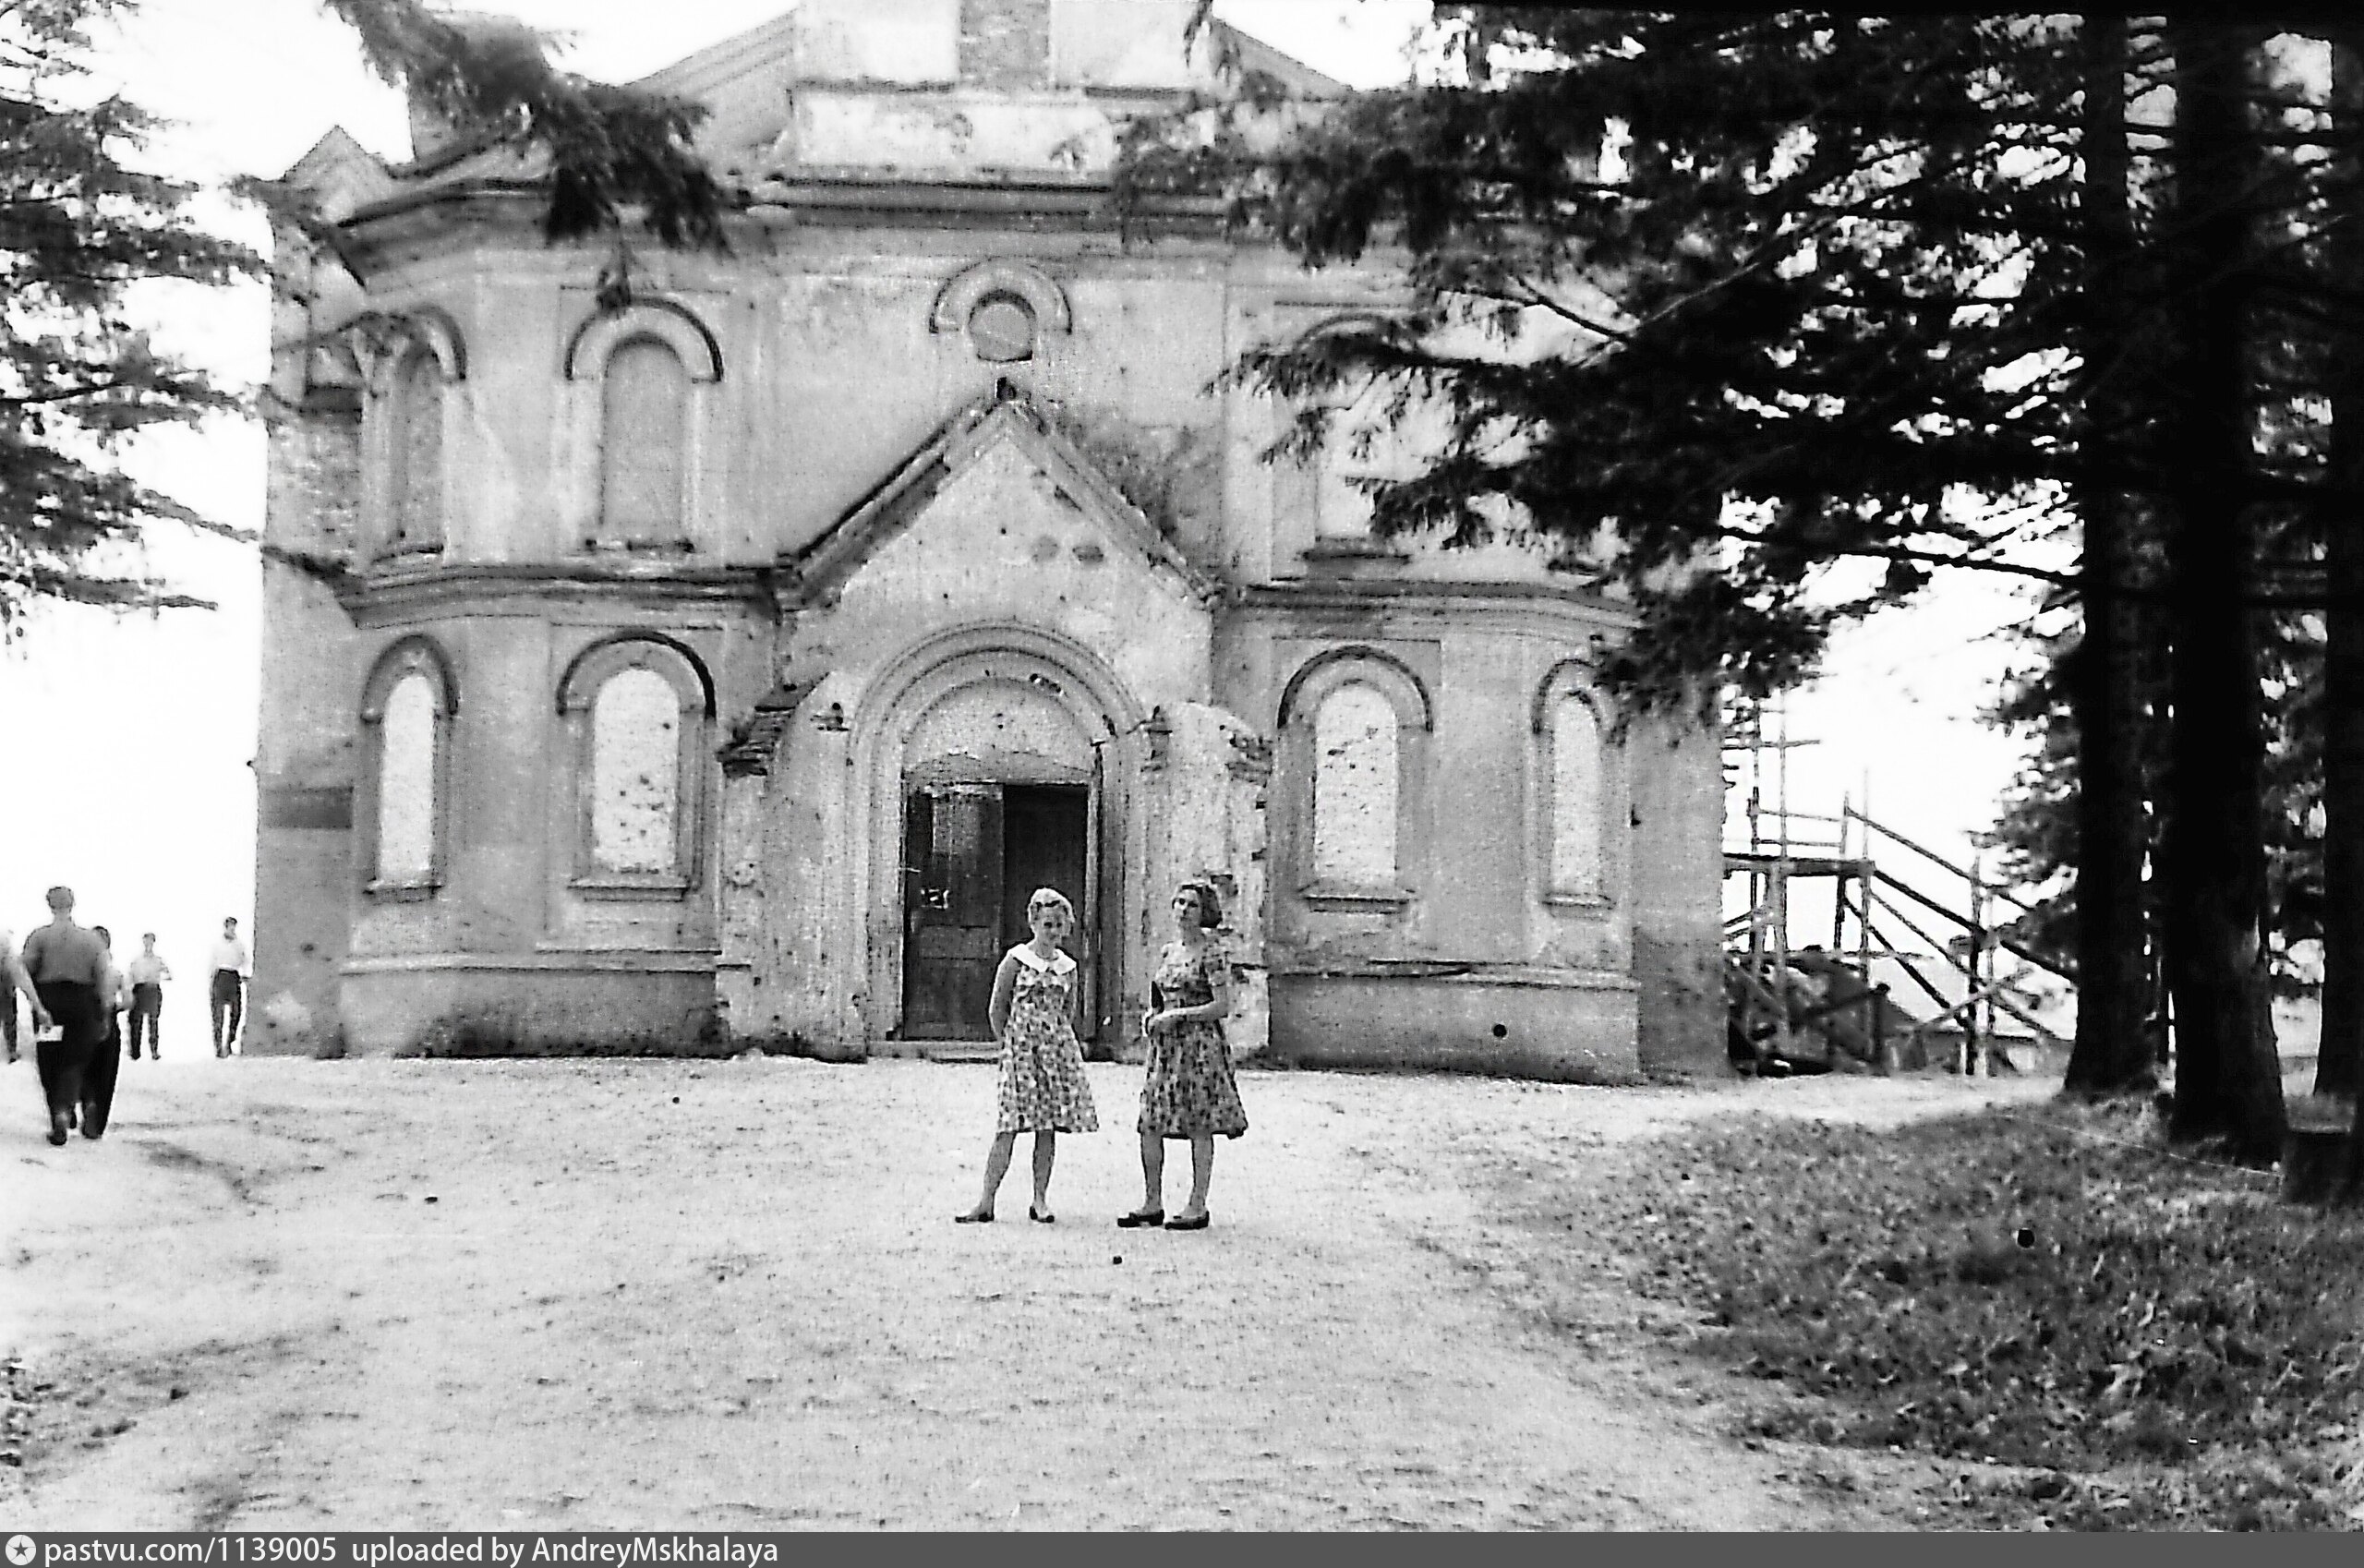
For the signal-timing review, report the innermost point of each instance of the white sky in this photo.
(125, 742)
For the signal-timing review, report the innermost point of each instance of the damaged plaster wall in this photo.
(635, 763)
(1208, 810)
(1355, 786)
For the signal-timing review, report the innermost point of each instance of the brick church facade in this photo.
(720, 662)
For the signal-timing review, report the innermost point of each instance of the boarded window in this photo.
(406, 773)
(1355, 788)
(1575, 796)
(1341, 509)
(418, 455)
(644, 408)
(635, 773)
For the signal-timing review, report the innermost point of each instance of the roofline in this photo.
(1076, 198)
(766, 42)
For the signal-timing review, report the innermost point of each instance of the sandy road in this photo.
(728, 1296)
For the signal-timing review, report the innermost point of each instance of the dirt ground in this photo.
(287, 1294)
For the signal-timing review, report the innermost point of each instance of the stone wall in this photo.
(1004, 44)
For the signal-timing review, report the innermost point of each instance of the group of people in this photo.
(81, 997)
(1187, 1089)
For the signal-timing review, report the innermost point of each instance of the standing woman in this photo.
(1188, 1091)
(1036, 992)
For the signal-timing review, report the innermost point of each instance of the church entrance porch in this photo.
(973, 853)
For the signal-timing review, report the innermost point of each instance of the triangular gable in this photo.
(821, 568)
(340, 175)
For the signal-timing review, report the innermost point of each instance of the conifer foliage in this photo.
(1790, 310)
(609, 148)
(80, 227)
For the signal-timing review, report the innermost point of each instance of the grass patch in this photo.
(2167, 1341)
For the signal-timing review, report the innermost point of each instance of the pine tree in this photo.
(1849, 273)
(79, 229)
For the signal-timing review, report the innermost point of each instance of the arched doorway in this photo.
(999, 765)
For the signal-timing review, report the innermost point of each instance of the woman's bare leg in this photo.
(1202, 1171)
(1046, 1148)
(1153, 1174)
(996, 1167)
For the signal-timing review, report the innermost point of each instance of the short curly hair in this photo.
(1210, 901)
(1048, 898)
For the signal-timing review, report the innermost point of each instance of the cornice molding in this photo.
(417, 593)
(1439, 596)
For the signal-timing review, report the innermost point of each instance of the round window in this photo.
(1001, 329)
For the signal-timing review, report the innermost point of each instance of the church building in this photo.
(681, 651)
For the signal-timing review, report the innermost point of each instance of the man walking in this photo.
(105, 1065)
(232, 964)
(69, 968)
(149, 972)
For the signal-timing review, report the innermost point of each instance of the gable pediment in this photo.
(969, 485)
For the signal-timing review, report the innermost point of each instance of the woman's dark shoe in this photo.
(1179, 1223)
(1039, 1217)
(974, 1217)
(1140, 1219)
(58, 1127)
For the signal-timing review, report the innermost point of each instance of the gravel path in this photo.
(729, 1296)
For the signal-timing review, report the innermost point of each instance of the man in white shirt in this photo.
(148, 973)
(232, 964)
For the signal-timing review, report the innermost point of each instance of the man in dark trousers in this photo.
(70, 973)
(231, 967)
(147, 973)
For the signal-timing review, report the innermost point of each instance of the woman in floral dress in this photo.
(1188, 1091)
(1036, 992)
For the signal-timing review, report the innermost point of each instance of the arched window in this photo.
(644, 426)
(638, 408)
(1356, 788)
(1573, 791)
(415, 456)
(406, 710)
(1355, 726)
(639, 709)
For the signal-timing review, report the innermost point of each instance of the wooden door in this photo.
(952, 909)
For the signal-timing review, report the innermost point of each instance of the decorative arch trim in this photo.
(416, 652)
(894, 684)
(619, 651)
(665, 321)
(960, 293)
(1570, 677)
(382, 344)
(1293, 695)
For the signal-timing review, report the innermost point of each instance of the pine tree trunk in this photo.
(2340, 1067)
(2111, 1056)
(2227, 1079)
